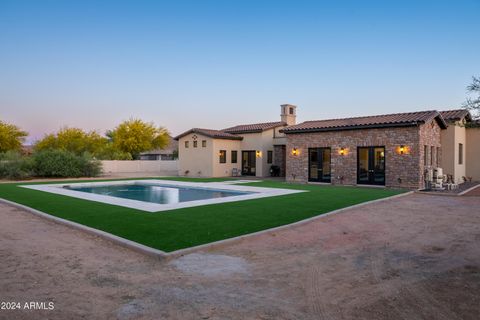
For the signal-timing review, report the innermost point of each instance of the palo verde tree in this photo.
(74, 140)
(11, 137)
(135, 136)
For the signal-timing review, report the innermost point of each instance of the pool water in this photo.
(158, 193)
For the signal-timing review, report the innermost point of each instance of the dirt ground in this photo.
(415, 257)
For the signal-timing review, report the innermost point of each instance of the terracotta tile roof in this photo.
(379, 121)
(217, 134)
(456, 115)
(255, 127)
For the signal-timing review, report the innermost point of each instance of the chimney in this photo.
(288, 114)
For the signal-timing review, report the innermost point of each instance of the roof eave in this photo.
(379, 126)
(245, 131)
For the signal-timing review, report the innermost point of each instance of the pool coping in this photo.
(160, 254)
(253, 193)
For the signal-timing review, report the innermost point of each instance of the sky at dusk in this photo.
(213, 64)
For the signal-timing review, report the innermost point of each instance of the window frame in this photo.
(425, 155)
(438, 156)
(234, 159)
(460, 153)
(432, 151)
(187, 144)
(204, 143)
(269, 156)
(222, 156)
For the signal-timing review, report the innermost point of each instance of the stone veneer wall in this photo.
(279, 158)
(430, 137)
(402, 170)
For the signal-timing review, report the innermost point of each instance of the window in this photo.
(460, 153)
(195, 143)
(186, 144)
(269, 156)
(234, 156)
(222, 156)
(204, 143)
(425, 155)
(432, 152)
(291, 111)
(438, 156)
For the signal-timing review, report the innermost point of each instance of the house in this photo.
(388, 150)
(393, 150)
(247, 149)
(170, 152)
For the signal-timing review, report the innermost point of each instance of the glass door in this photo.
(319, 164)
(249, 163)
(371, 165)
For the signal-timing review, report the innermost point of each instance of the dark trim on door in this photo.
(373, 173)
(319, 165)
(249, 168)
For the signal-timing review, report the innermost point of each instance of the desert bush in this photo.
(15, 166)
(60, 163)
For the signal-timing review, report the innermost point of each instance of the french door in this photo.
(371, 165)
(319, 164)
(249, 163)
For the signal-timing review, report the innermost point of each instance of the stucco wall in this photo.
(225, 169)
(198, 161)
(160, 167)
(259, 142)
(205, 162)
(451, 137)
(402, 170)
(473, 153)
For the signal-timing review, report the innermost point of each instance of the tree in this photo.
(11, 137)
(74, 140)
(473, 104)
(135, 136)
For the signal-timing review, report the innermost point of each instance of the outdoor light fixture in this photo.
(342, 151)
(402, 149)
(259, 154)
(295, 151)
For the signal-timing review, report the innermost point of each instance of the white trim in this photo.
(162, 254)
(258, 192)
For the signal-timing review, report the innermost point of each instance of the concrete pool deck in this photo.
(254, 192)
(414, 257)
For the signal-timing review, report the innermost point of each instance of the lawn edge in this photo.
(92, 231)
(157, 253)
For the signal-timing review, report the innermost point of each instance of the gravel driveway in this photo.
(415, 257)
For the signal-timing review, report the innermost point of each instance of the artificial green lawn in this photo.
(183, 228)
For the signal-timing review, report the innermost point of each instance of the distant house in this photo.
(170, 152)
(395, 150)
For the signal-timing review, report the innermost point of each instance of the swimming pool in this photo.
(154, 195)
(163, 194)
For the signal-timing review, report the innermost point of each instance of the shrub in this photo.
(14, 166)
(60, 163)
(110, 152)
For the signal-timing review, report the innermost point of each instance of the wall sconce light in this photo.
(295, 152)
(259, 154)
(342, 151)
(402, 149)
